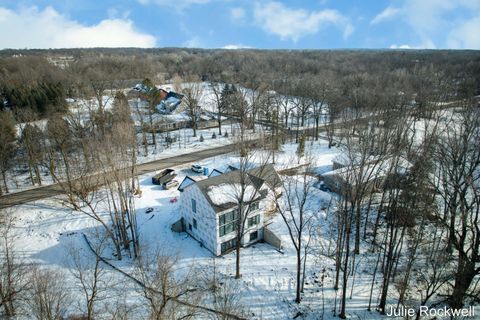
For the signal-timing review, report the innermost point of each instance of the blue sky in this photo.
(263, 24)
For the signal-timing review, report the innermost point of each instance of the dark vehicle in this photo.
(164, 176)
(324, 188)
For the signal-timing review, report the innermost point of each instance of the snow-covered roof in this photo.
(222, 191)
(371, 170)
(226, 193)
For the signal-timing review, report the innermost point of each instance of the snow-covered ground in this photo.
(47, 232)
(20, 180)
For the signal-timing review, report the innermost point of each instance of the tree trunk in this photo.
(299, 275)
(4, 176)
(357, 228)
(37, 174)
(238, 275)
(463, 278)
(194, 127)
(343, 314)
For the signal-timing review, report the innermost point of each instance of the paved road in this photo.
(38, 193)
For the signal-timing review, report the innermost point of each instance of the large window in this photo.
(194, 205)
(227, 245)
(254, 220)
(253, 236)
(254, 206)
(228, 222)
(195, 223)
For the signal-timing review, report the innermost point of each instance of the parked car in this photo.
(164, 176)
(171, 184)
(197, 168)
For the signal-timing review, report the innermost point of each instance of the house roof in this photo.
(371, 170)
(187, 181)
(229, 182)
(215, 173)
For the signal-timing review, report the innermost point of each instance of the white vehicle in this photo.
(197, 168)
(171, 184)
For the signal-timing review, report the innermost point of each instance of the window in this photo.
(227, 245)
(254, 220)
(228, 222)
(190, 226)
(194, 205)
(254, 206)
(195, 223)
(253, 236)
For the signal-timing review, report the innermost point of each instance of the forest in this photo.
(403, 223)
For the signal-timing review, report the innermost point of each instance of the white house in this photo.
(210, 209)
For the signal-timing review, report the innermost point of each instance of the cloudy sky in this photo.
(264, 24)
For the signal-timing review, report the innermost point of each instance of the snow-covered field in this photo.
(46, 233)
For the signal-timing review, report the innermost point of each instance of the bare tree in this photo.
(227, 300)
(293, 207)
(32, 142)
(162, 289)
(244, 191)
(457, 167)
(114, 159)
(50, 298)
(90, 275)
(217, 100)
(7, 148)
(193, 93)
(13, 272)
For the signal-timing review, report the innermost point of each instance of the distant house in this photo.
(170, 101)
(210, 211)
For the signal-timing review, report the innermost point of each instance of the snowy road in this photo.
(26, 196)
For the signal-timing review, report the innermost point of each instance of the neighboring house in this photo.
(347, 179)
(215, 173)
(170, 101)
(210, 207)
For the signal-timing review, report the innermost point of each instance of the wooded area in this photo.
(406, 122)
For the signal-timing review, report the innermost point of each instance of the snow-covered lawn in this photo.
(47, 232)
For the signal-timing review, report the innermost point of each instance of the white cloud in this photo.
(402, 46)
(237, 14)
(236, 47)
(437, 23)
(276, 18)
(31, 28)
(386, 14)
(466, 35)
(113, 13)
(426, 44)
(194, 42)
(431, 21)
(177, 4)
